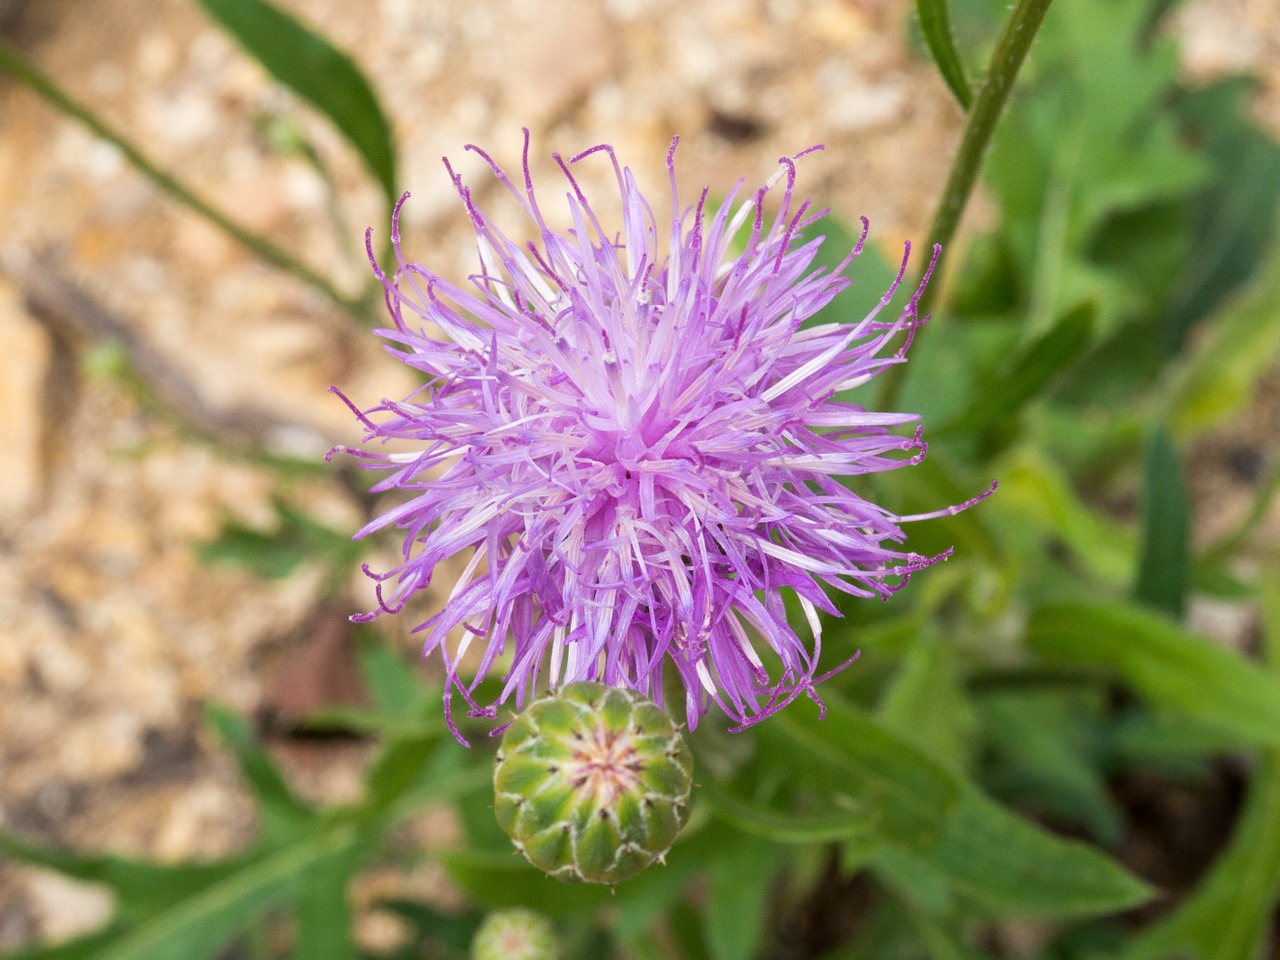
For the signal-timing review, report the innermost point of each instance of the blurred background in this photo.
(162, 389)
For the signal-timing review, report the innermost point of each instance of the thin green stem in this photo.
(44, 86)
(1011, 49)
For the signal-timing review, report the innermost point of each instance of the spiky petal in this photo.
(638, 444)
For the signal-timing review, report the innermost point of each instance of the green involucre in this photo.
(592, 783)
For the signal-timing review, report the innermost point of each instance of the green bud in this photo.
(515, 934)
(592, 783)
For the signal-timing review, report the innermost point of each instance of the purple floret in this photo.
(637, 447)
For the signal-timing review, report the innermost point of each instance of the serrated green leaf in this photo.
(948, 828)
(935, 26)
(1164, 565)
(869, 772)
(1167, 665)
(313, 68)
(1001, 863)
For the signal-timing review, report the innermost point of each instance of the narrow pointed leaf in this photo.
(313, 68)
(1164, 566)
(935, 25)
(1167, 665)
(282, 812)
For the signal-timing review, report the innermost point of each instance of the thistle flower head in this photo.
(592, 783)
(635, 445)
(515, 934)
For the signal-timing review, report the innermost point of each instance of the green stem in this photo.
(1006, 61)
(29, 74)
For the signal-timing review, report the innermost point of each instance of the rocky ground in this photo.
(113, 634)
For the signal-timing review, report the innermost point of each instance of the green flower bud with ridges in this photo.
(592, 783)
(516, 934)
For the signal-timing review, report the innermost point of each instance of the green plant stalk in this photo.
(22, 70)
(1006, 60)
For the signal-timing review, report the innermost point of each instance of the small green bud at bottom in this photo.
(592, 783)
(516, 934)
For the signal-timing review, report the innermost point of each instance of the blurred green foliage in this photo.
(969, 771)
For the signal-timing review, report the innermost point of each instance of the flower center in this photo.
(604, 765)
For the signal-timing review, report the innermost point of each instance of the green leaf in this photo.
(947, 827)
(741, 875)
(191, 910)
(1164, 567)
(395, 690)
(1164, 663)
(868, 771)
(1005, 864)
(1029, 373)
(935, 25)
(318, 72)
(1043, 747)
(274, 554)
(1229, 915)
(1236, 212)
(781, 826)
(201, 924)
(506, 880)
(1035, 493)
(141, 888)
(926, 705)
(81, 948)
(1240, 346)
(323, 927)
(283, 814)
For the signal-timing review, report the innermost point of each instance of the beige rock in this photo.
(556, 56)
(24, 361)
(66, 908)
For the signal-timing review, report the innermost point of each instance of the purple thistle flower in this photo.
(637, 446)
